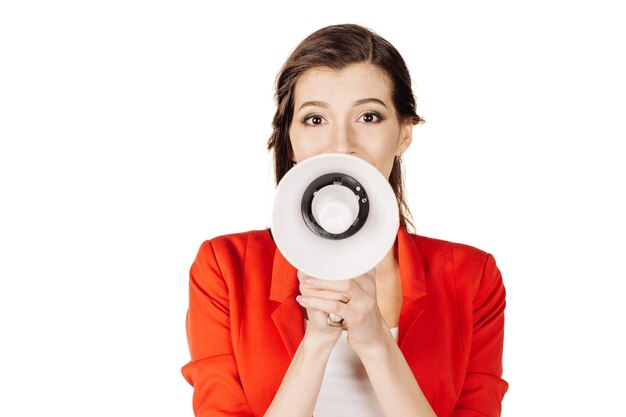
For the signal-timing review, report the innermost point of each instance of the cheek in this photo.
(303, 146)
(297, 147)
(386, 167)
(384, 155)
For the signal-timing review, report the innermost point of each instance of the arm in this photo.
(212, 370)
(484, 387)
(301, 385)
(393, 382)
(300, 388)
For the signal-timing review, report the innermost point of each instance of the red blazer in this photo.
(244, 324)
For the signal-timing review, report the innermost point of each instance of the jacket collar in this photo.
(413, 276)
(288, 316)
(411, 266)
(284, 279)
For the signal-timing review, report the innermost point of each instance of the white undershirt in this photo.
(346, 390)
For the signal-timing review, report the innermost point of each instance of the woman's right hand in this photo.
(318, 328)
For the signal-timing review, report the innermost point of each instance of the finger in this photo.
(322, 304)
(300, 275)
(328, 295)
(343, 286)
(355, 290)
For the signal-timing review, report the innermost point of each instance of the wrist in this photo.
(380, 349)
(319, 345)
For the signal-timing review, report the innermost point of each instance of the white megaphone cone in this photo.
(335, 216)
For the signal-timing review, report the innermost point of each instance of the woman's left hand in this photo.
(361, 315)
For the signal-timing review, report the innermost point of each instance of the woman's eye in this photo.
(313, 120)
(371, 117)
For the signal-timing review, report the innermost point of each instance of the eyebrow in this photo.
(356, 103)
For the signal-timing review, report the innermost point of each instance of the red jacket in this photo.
(244, 324)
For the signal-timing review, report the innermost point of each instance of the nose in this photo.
(342, 140)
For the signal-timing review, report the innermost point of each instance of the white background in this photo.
(133, 130)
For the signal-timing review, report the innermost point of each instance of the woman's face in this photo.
(348, 111)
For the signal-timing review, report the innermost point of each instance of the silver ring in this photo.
(334, 320)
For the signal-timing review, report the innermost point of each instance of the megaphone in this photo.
(335, 216)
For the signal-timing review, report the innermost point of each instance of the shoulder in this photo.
(234, 246)
(469, 266)
(236, 237)
(220, 260)
(461, 253)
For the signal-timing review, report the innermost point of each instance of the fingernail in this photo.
(307, 281)
(301, 299)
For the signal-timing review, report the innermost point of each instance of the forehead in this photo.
(354, 82)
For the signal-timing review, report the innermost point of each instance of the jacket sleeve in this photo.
(212, 370)
(484, 387)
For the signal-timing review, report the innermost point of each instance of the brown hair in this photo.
(336, 47)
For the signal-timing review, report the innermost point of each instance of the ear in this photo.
(406, 137)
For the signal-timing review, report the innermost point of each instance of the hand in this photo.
(318, 327)
(362, 317)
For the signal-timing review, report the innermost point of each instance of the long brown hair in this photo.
(336, 47)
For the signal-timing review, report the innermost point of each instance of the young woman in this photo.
(422, 332)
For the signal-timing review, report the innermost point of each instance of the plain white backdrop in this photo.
(131, 131)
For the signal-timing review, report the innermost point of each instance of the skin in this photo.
(331, 116)
(350, 111)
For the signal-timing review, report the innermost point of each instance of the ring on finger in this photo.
(334, 320)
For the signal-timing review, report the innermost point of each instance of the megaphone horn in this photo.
(335, 216)
(331, 199)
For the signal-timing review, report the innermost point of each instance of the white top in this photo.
(346, 390)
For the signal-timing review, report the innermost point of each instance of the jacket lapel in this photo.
(413, 278)
(287, 316)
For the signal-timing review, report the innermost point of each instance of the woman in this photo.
(422, 332)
